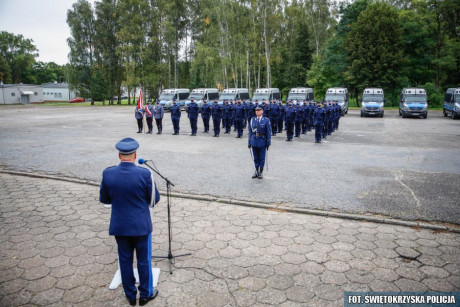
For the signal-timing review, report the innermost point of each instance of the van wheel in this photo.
(362, 114)
(444, 112)
(346, 112)
(425, 116)
(453, 115)
(381, 115)
(400, 114)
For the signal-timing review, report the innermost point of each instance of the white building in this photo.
(20, 93)
(57, 92)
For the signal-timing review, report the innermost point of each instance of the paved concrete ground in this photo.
(403, 168)
(55, 251)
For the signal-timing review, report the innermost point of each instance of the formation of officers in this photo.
(295, 119)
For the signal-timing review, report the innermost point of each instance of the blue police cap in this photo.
(127, 146)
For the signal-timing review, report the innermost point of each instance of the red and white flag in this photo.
(148, 111)
(140, 101)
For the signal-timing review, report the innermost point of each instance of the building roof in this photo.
(18, 85)
(55, 85)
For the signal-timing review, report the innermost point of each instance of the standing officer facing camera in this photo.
(260, 134)
(132, 191)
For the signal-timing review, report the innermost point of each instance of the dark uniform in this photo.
(227, 114)
(274, 116)
(239, 114)
(205, 115)
(192, 112)
(245, 120)
(298, 119)
(158, 113)
(259, 139)
(311, 114)
(131, 191)
(175, 117)
(139, 115)
(339, 115)
(289, 117)
(216, 112)
(306, 112)
(319, 116)
(327, 118)
(149, 116)
(281, 110)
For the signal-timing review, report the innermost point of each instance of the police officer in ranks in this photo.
(327, 117)
(281, 110)
(266, 108)
(306, 110)
(319, 117)
(192, 112)
(216, 112)
(339, 115)
(205, 115)
(250, 110)
(239, 114)
(289, 118)
(298, 119)
(158, 113)
(139, 115)
(227, 116)
(245, 119)
(232, 124)
(149, 116)
(131, 191)
(259, 140)
(311, 114)
(274, 116)
(175, 117)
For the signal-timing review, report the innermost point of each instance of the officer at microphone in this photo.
(260, 133)
(131, 191)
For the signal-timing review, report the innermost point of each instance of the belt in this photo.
(260, 134)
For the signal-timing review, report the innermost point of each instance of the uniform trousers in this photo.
(216, 124)
(318, 131)
(274, 122)
(193, 124)
(227, 124)
(149, 123)
(139, 124)
(239, 126)
(176, 122)
(159, 122)
(143, 247)
(280, 125)
(289, 129)
(206, 123)
(259, 154)
(298, 124)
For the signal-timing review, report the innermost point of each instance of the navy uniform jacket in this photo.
(139, 114)
(320, 115)
(216, 111)
(239, 111)
(175, 111)
(251, 110)
(289, 114)
(158, 111)
(205, 111)
(131, 191)
(274, 111)
(227, 111)
(259, 132)
(298, 113)
(192, 110)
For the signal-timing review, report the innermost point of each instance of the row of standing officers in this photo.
(296, 119)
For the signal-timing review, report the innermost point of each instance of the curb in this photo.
(281, 208)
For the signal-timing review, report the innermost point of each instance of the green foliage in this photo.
(435, 94)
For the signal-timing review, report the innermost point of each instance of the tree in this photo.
(48, 72)
(374, 44)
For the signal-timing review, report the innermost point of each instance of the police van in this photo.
(266, 93)
(451, 105)
(199, 94)
(413, 103)
(234, 93)
(300, 94)
(168, 95)
(372, 102)
(339, 94)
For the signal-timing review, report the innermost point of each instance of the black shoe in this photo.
(131, 302)
(145, 300)
(158, 132)
(256, 174)
(261, 170)
(139, 131)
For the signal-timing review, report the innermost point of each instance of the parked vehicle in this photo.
(339, 94)
(300, 94)
(413, 103)
(77, 99)
(266, 93)
(168, 95)
(451, 105)
(372, 102)
(202, 93)
(233, 93)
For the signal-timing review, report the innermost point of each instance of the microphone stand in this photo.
(170, 256)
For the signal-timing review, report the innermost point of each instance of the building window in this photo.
(60, 95)
(55, 95)
(13, 94)
(35, 93)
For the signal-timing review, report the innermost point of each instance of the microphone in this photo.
(142, 161)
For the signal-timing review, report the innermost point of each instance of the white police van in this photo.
(372, 102)
(234, 93)
(266, 93)
(300, 94)
(413, 103)
(199, 94)
(451, 105)
(339, 94)
(168, 95)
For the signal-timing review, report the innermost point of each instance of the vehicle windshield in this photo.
(297, 96)
(457, 98)
(418, 99)
(260, 96)
(196, 96)
(227, 96)
(334, 98)
(372, 98)
(166, 96)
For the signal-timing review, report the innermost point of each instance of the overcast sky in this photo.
(43, 21)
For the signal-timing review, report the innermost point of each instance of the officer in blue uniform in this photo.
(327, 118)
(192, 112)
(319, 116)
(289, 114)
(175, 117)
(149, 116)
(259, 132)
(158, 113)
(139, 115)
(205, 115)
(311, 113)
(251, 112)
(306, 111)
(298, 119)
(281, 110)
(274, 116)
(245, 119)
(216, 112)
(227, 114)
(131, 191)
(239, 114)
(339, 115)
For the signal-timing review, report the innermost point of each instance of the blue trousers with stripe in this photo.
(143, 247)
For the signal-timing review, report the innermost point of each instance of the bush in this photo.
(435, 95)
